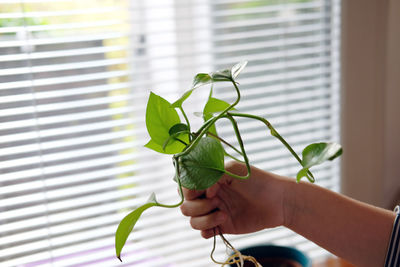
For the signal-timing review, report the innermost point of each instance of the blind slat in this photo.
(67, 26)
(61, 67)
(75, 79)
(62, 80)
(66, 118)
(62, 53)
(268, 8)
(54, 13)
(61, 40)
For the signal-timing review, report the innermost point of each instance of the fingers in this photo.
(208, 221)
(212, 191)
(208, 233)
(199, 207)
(211, 232)
(193, 194)
(203, 208)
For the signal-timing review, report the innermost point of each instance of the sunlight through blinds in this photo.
(74, 80)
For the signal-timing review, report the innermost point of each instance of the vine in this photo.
(198, 157)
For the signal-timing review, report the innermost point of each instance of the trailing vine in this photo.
(198, 157)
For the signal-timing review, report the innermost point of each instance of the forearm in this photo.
(348, 228)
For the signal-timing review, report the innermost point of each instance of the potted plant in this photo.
(198, 156)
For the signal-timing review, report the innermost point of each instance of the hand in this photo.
(237, 206)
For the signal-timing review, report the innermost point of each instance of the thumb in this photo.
(213, 190)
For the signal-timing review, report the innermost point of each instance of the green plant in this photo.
(198, 156)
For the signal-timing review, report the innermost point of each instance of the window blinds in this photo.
(74, 80)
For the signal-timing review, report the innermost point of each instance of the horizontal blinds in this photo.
(67, 126)
(74, 79)
(292, 80)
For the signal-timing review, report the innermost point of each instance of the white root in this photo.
(239, 260)
(236, 258)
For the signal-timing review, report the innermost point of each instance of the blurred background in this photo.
(74, 81)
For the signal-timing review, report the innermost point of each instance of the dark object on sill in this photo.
(276, 256)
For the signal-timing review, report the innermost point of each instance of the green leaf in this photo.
(178, 128)
(302, 173)
(178, 131)
(160, 117)
(178, 103)
(125, 227)
(228, 74)
(201, 79)
(204, 78)
(316, 154)
(222, 76)
(212, 106)
(238, 68)
(171, 148)
(203, 166)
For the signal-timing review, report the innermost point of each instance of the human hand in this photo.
(237, 206)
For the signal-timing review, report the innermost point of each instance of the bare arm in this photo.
(348, 228)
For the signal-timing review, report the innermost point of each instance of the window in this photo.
(74, 80)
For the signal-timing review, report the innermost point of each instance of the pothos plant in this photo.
(198, 156)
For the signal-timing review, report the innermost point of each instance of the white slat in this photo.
(74, 83)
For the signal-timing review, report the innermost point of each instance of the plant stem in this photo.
(233, 157)
(176, 164)
(246, 159)
(181, 141)
(206, 126)
(272, 129)
(277, 135)
(225, 142)
(187, 120)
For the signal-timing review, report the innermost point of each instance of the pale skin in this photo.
(350, 229)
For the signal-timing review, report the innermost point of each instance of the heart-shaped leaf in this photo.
(317, 153)
(125, 227)
(171, 148)
(160, 117)
(203, 166)
(212, 106)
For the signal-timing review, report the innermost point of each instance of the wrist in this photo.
(290, 204)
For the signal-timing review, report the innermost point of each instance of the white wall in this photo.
(370, 97)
